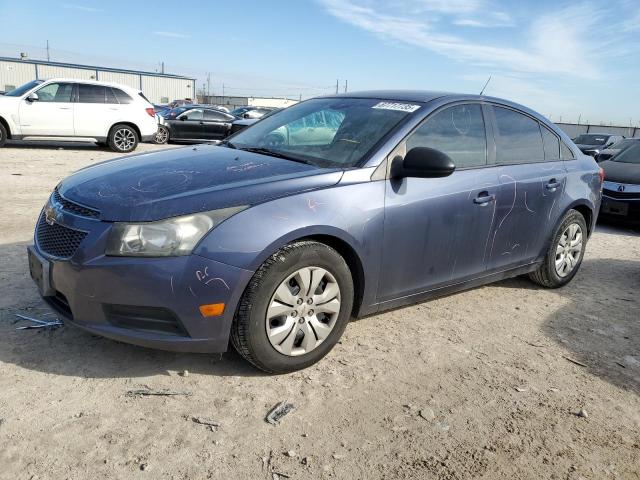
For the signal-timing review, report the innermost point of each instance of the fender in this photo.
(352, 213)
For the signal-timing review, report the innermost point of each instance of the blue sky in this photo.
(564, 59)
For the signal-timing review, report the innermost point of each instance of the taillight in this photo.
(151, 111)
(601, 174)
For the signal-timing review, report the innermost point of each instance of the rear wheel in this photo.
(123, 138)
(565, 253)
(3, 135)
(294, 309)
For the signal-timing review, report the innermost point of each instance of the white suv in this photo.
(77, 110)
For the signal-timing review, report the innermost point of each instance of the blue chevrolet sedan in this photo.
(337, 207)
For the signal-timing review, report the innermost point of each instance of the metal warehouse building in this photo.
(157, 87)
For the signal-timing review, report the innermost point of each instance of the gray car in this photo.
(337, 207)
(616, 148)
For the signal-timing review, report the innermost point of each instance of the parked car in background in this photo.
(621, 189)
(161, 109)
(616, 148)
(251, 112)
(276, 241)
(243, 123)
(593, 143)
(181, 103)
(194, 124)
(77, 110)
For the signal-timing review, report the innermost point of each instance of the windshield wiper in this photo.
(274, 153)
(227, 143)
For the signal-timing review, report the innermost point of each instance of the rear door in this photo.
(436, 229)
(532, 180)
(93, 115)
(51, 114)
(215, 125)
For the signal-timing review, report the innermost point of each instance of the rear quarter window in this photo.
(565, 152)
(121, 96)
(551, 144)
(518, 138)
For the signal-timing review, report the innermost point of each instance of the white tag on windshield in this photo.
(403, 107)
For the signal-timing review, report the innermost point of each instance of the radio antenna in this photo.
(485, 85)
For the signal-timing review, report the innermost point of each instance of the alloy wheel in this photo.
(162, 135)
(124, 139)
(303, 311)
(568, 250)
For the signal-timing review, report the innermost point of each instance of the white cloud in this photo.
(558, 41)
(82, 8)
(172, 34)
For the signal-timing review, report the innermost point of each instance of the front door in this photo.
(532, 180)
(188, 125)
(436, 229)
(51, 114)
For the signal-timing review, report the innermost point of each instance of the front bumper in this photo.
(152, 302)
(621, 202)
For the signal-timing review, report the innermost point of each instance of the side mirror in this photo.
(183, 117)
(33, 97)
(246, 115)
(423, 162)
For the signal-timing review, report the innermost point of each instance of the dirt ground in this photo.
(484, 384)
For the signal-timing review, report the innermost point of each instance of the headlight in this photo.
(164, 238)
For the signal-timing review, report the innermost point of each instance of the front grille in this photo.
(620, 195)
(57, 240)
(73, 207)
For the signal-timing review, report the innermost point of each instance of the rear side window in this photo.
(518, 138)
(215, 116)
(91, 93)
(551, 144)
(121, 96)
(457, 131)
(565, 152)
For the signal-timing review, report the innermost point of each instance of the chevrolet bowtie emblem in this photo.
(50, 214)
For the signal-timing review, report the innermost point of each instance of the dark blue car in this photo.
(337, 207)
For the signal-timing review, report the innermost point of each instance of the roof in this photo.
(399, 95)
(95, 82)
(93, 67)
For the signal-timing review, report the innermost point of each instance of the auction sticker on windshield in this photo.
(403, 107)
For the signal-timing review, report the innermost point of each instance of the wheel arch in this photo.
(130, 124)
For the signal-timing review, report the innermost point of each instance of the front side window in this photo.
(91, 93)
(55, 92)
(331, 132)
(551, 144)
(518, 138)
(458, 131)
(192, 114)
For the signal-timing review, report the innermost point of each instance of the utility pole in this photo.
(208, 84)
(345, 86)
(337, 85)
(48, 57)
(579, 117)
(161, 67)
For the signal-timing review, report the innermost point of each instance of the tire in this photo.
(563, 245)
(3, 135)
(162, 135)
(254, 332)
(123, 138)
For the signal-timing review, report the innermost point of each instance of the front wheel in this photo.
(565, 253)
(162, 135)
(294, 309)
(123, 138)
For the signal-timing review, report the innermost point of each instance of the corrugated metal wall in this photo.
(156, 88)
(53, 71)
(162, 89)
(13, 74)
(129, 79)
(574, 129)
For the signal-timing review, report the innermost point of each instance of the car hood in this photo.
(152, 186)
(583, 146)
(621, 172)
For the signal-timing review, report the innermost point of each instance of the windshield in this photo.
(327, 132)
(622, 144)
(629, 155)
(591, 139)
(18, 92)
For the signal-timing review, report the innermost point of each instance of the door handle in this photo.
(552, 184)
(65, 108)
(484, 198)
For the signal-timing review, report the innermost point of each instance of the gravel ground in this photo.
(489, 383)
